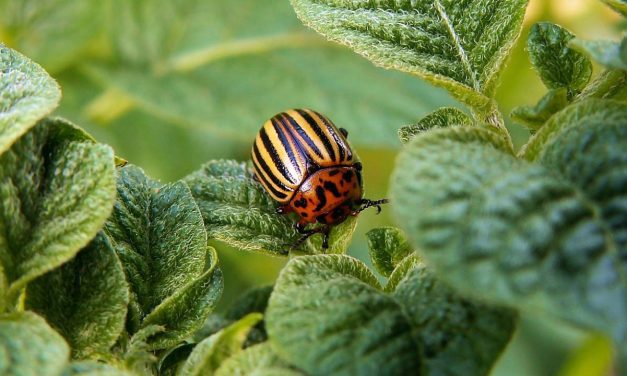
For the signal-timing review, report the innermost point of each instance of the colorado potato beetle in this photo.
(306, 164)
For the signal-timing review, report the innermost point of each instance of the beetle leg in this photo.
(368, 203)
(307, 233)
(358, 167)
(344, 132)
(283, 209)
(300, 227)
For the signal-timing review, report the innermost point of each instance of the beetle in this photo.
(304, 162)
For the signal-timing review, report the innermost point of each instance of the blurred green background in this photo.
(171, 85)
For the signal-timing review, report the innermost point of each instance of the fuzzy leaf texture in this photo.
(533, 117)
(459, 336)
(612, 55)
(85, 299)
(559, 65)
(459, 46)
(536, 240)
(388, 247)
(258, 360)
(238, 211)
(56, 190)
(29, 347)
(210, 353)
(440, 118)
(27, 94)
(158, 234)
(329, 315)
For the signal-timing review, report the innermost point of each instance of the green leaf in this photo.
(92, 368)
(158, 234)
(512, 232)
(30, 347)
(459, 46)
(590, 150)
(441, 118)
(147, 31)
(388, 247)
(586, 111)
(612, 55)
(258, 360)
(27, 94)
(55, 33)
(211, 352)
(228, 72)
(238, 211)
(534, 117)
(85, 299)
(618, 5)
(327, 316)
(460, 336)
(56, 191)
(609, 84)
(559, 65)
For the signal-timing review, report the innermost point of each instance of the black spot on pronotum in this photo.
(322, 198)
(304, 214)
(331, 188)
(300, 203)
(334, 172)
(347, 176)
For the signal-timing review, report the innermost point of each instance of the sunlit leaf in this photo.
(460, 46)
(56, 190)
(27, 94)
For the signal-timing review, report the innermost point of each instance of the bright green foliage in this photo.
(27, 94)
(609, 84)
(535, 239)
(612, 55)
(54, 33)
(460, 46)
(458, 336)
(441, 118)
(328, 315)
(85, 299)
(559, 65)
(533, 117)
(388, 247)
(200, 64)
(237, 210)
(29, 347)
(92, 368)
(56, 190)
(158, 234)
(258, 360)
(209, 354)
(618, 5)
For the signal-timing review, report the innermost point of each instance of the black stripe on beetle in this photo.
(341, 144)
(276, 160)
(320, 133)
(303, 134)
(286, 144)
(263, 166)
